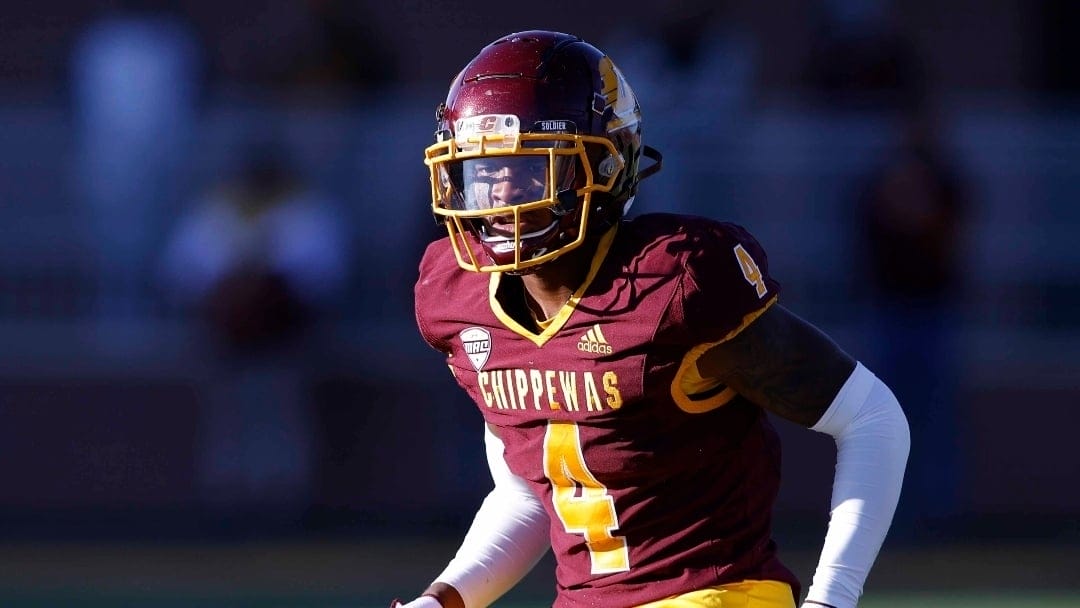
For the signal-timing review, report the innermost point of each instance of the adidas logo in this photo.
(594, 342)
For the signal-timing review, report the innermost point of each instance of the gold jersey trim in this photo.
(555, 323)
(688, 380)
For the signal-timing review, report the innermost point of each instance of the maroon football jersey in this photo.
(651, 492)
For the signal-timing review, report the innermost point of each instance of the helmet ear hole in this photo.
(607, 167)
(598, 156)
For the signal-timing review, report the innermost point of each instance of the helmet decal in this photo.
(617, 96)
(468, 130)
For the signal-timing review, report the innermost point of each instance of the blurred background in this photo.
(211, 389)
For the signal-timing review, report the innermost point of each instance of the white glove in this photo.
(424, 601)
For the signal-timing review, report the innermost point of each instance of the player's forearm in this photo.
(509, 534)
(445, 595)
(872, 441)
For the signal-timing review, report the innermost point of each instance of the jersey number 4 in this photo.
(581, 502)
(750, 270)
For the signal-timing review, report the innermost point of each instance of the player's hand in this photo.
(424, 601)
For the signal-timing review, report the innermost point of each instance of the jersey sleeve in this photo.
(429, 294)
(727, 283)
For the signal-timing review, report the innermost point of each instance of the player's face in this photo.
(504, 181)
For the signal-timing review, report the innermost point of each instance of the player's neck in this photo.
(550, 287)
(545, 297)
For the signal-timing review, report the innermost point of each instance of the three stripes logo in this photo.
(594, 342)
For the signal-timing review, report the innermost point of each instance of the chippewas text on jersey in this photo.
(538, 389)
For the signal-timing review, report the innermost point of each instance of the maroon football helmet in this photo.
(538, 145)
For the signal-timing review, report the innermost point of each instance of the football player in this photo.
(624, 368)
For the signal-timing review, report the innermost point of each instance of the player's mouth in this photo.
(503, 228)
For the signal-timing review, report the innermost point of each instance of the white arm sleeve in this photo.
(872, 443)
(509, 534)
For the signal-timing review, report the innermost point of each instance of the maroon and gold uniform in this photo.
(657, 481)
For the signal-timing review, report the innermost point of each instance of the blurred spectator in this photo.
(328, 45)
(1060, 45)
(694, 70)
(692, 56)
(347, 48)
(860, 56)
(135, 76)
(259, 259)
(911, 213)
